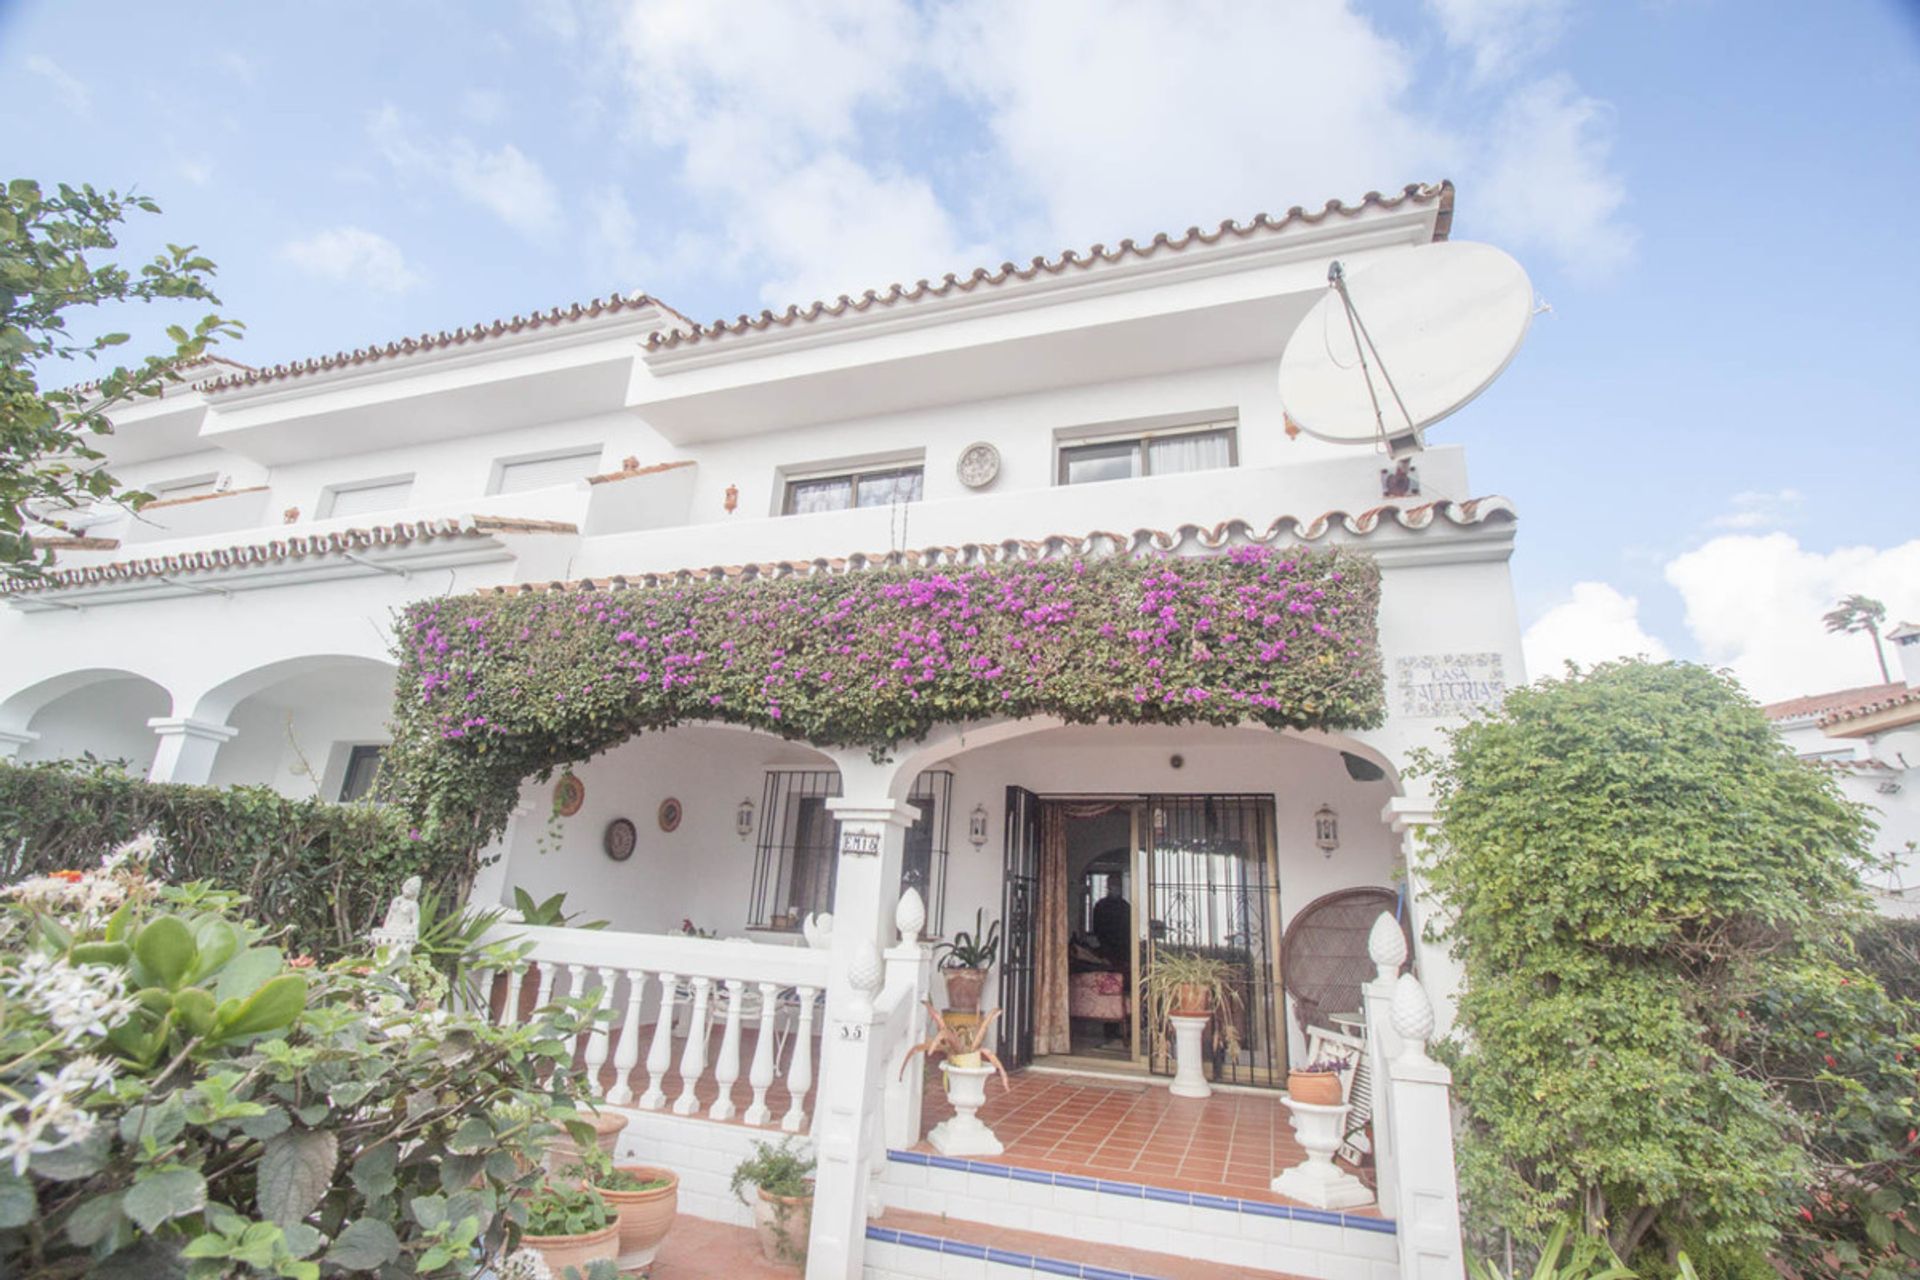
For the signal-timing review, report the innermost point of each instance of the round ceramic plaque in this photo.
(568, 795)
(620, 839)
(979, 464)
(669, 814)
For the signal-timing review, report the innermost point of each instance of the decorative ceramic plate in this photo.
(669, 814)
(568, 795)
(620, 839)
(979, 464)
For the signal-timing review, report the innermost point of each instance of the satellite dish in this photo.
(1399, 346)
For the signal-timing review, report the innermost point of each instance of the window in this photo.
(795, 866)
(363, 768)
(185, 487)
(543, 471)
(1154, 453)
(876, 488)
(365, 496)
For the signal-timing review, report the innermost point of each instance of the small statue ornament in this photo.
(400, 931)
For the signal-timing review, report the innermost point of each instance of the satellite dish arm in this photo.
(1362, 340)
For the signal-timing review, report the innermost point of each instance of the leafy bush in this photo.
(323, 872)
(177, 1098)
(1663, 1033)
(496, 688)
(558, 1210)
(777, 1170)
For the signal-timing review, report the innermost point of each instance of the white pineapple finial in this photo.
(1412, 1016)
(910, 915)
(864, 975)
(1387, 945)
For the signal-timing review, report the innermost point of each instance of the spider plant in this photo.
(971, 950)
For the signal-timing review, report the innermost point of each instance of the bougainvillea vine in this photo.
(494, 688)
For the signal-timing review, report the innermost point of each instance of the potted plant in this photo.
(1318, 1082)
(966, 1071)
(783, 1207)
(965, 962)
(563, 1152)
(643, 1198)
(1187, 984)
(570, 1227)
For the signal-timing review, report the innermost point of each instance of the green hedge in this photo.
(322, 872)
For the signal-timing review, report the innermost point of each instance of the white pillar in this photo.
(1412, 818)
(873, 828)
(1421, 1114)
(187, 748)
(1388, 948)
(14, 741)
(911, 960)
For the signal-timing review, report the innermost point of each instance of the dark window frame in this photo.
(852, 479)
(1142, 443)
(357, 757)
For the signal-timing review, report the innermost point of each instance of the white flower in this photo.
(525, 1264)
(138, 851)
(53, 1118)
(83, 1000)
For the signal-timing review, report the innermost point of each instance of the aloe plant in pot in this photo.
(966, 960)
(783, 1206)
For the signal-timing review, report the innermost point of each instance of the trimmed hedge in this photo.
(321, 872)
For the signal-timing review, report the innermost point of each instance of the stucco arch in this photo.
(21, 705)
(216, 702)
(99, 711)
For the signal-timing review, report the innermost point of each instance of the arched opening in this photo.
(100, 712)
(312, 726)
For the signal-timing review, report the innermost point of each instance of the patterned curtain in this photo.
(1052, 1025)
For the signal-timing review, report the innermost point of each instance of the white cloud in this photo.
(70, 90)
(1500, 34)
(1597, 623)
(504, 180)
(1751, 509)
(1545, 179)
(354, 256)
(1754, 603)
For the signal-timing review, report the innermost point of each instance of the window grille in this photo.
(796, 863)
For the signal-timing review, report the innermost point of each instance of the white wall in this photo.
(108, 719)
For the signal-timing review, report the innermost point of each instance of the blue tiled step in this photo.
(936, 1239)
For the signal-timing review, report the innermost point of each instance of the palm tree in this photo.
(1861, 613)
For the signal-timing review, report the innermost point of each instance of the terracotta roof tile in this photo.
(297, 547)
(1440, 195)
(628, 473)
(75, 542)
(1820, 704)
(1902, 696)
(484, 331)
(201, 497)
(1098, 543)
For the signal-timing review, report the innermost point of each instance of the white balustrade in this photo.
(771, 991)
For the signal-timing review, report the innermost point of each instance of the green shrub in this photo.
(322, 872)
(177, 1098)
(1664, 1035)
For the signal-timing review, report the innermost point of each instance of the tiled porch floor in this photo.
(1229, 1144)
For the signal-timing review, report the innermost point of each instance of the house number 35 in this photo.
(852, 1031)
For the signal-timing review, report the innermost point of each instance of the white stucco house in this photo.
(1119, 401)
(1870, 738)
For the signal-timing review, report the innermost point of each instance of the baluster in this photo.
(576, 985)
(544, 992)
(800, 1069)
(693, 1058)
(510, 1011)
(727, 1070)
(761, 1077)
(626, 1054)
(660, 1053)
(596, 1057)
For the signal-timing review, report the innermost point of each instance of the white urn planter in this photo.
(965, 1134)
(1320, 1182)
(1189, 1070)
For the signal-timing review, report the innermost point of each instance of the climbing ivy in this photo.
(494, 688)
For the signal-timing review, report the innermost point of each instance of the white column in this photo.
(187, 748)
(913, 960)
(873, 828)
(1388, 948)
(1412, 818)
(14, 741)
(1421, 1114)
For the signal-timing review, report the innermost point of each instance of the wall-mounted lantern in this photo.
(977, 826)
(1326, 829)
(743, 818)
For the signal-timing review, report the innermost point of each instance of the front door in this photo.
(1019, 927)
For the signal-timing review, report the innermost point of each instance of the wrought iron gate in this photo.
(1019, 926)
(1210, 891)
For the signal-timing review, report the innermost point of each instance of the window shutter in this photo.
(367, 498)
(542, 473)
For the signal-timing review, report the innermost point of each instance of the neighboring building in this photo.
(1870, 738)
(1120, 401)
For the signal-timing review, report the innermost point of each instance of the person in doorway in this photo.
(1113, 927)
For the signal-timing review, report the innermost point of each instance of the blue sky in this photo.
(1709, 437)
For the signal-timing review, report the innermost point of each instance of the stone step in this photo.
(1245, 1234)
(902, 1245)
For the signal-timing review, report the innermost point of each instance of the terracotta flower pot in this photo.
(964, 987)
(645, 1216)
(783, 1224)
(1321, 1088)
(562, 1252)
(563, 1151)
(1191, 1001)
